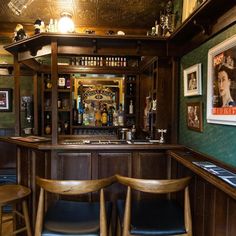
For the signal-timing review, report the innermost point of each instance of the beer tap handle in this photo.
(162, 131)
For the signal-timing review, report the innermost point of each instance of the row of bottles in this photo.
(63, 82)
(63, 126)
(99, 61)
(75, 112)
(90, 115)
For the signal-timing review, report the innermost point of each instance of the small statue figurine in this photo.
(19, 33)
(39, 26)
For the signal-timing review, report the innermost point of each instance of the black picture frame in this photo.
(5, 99)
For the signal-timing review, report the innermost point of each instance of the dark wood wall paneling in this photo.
(8, 152)
(213, 211)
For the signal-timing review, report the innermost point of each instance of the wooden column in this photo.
(17, 96)
(54, 77)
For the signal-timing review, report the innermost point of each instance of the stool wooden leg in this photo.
(26, 216)
(14, 217)
(1, 219)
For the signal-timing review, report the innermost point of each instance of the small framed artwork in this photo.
(5, 99)
(194, 116)
(221, 83)
(193, 81)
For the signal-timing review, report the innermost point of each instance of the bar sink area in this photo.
(106, 142)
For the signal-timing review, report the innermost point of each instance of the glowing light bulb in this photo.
(66, 24)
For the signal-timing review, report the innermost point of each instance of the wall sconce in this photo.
(66, 24)
(17, 6)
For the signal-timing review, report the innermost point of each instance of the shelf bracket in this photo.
(95, 48)
(34, 50)
(206, 27)
(139, 45)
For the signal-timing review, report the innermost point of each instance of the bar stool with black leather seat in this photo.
(14, 194)
(155, 216)
(66, 217)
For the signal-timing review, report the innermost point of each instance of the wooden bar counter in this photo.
(78, 160)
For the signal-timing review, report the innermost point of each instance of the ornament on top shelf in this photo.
(39, 26)
(19, 33)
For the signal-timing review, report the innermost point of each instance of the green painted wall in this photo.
(7, 119)
(216, 140)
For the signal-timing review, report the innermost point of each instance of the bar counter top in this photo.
(41, 143)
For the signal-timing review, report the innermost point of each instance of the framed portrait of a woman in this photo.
(221, 83)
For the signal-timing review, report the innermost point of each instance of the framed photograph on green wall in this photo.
(5, 99)
(194, 116)
(221, 83)
(193, 80)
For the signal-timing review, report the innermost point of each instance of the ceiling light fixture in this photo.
(66, 24)
(17, 6)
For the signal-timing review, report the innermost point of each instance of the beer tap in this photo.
(162, 131)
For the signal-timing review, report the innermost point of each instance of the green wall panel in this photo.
(216, 140)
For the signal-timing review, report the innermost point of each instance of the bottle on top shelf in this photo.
(131, 107)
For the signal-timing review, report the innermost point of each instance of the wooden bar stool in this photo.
(12, 195)
(161, 215)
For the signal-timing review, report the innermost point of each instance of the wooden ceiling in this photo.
(105, 14)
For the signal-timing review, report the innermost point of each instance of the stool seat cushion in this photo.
(154, 217)
(73, 218)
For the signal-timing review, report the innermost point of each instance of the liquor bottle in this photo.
(48, 129)
(59, 128)
(66, 127)
(80, 111)
(48, 83)
(131, 107)
(75, 113)
(86, 115)
(104, 115)
(68, 82)
(61, 82)
(80, 89)
(110, 116)
(59, 103)
(97, 117)
(115, 117)
(133, 132)
(120, 116)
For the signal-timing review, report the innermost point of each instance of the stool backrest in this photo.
(72, 187)
(164, 186)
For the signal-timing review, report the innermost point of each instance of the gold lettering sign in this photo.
(98, 93)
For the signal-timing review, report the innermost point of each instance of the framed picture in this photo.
(193, 81)
(221, 83)
(5, 99)
(189, 6)
(194, 116)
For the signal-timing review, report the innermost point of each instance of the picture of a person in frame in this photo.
(192, 81)
(224, 83)
(224, 80)
(193, 119)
